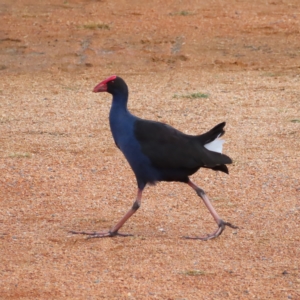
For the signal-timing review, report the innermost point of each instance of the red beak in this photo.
(101, 87)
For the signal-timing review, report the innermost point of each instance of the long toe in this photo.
(230, 225)
(94, 234)
(100, 235)
(218, 232)
(108, 234)
(208, 236)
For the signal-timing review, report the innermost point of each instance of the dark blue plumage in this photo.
(159, 152)
(122, 124)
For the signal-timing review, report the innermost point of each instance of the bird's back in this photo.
(168, 148)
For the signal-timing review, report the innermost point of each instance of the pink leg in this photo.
(211, 209)
(115, 229)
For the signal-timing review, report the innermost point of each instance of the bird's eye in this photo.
(112, 81)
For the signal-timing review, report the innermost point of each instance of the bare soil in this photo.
(61, 171)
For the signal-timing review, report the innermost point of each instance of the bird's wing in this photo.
(167, 147)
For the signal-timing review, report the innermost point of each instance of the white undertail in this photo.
(216, 145)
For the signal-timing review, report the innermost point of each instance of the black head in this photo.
(113, 85)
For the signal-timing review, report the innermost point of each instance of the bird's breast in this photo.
(122, 127)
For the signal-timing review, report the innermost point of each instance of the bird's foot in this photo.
(92, 235)
(220, 229)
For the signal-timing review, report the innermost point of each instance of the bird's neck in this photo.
(119, 102)
(120, 118)
(118, 112)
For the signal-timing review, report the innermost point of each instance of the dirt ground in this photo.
(61, 171)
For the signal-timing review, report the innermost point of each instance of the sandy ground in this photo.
(61, 171)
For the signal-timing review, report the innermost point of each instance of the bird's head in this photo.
(113, 85)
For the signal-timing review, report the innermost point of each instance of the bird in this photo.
(158, 152)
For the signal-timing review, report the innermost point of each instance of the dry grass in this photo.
(194, 273)
(93, 26)
(192, 96)
(20, 155)
(181, 13)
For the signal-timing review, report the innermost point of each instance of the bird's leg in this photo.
(215, 215)
(114, 230)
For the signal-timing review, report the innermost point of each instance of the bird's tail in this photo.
(211, 136)
(210, 140)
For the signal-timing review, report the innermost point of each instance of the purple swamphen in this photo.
(159, 152)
